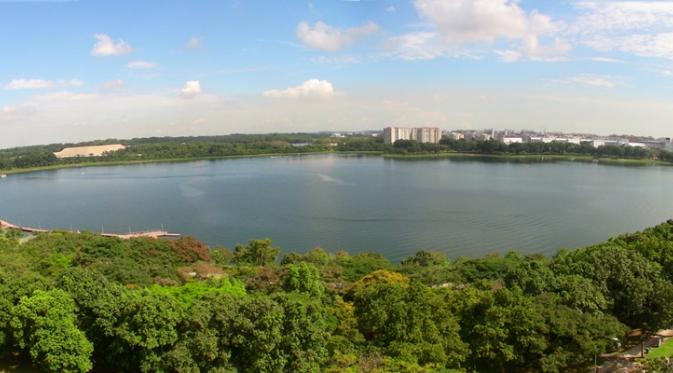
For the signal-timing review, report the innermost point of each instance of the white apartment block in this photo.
(420, 134)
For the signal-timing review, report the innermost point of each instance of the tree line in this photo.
(535, 148)
(162, 148)
(165, 148)
(82, 302)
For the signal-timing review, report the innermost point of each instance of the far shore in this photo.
(531, 158)
(172, 160)
(524, 158)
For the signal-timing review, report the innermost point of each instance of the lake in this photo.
(356, 203)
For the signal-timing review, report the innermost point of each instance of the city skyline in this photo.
(84, 70)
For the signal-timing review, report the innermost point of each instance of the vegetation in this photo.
(80, 302)
(663, 351)
(523, 150)
(186, 148)
(164, 149)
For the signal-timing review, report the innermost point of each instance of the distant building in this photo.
(512, 140)
(456, 136)
(422, 134)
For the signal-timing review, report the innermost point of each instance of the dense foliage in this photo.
(76, 302)
(491, 147)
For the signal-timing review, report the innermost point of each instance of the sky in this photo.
(82, 70)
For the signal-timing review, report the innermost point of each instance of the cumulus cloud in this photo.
(457, 24)
(17, 84)
(325, 37)
(470, 21)
(194, 43)
(141, 65)
(310, 88)
(105, 46)
(191, 89)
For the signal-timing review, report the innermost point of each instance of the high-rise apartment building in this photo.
(420, 134)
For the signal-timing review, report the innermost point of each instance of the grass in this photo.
(666, 350)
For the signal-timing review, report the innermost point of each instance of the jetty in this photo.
(124, 236)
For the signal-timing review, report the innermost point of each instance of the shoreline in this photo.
(532, 158)
(173, 160)
(523, 158)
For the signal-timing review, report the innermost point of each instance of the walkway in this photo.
(124, 236)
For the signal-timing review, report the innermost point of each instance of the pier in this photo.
(124, 236)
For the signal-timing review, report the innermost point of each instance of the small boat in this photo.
(3, 176)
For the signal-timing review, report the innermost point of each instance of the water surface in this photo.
(356, 203)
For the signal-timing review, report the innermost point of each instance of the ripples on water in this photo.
(355, 203)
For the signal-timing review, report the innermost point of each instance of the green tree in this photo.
(410, 322)
(305, 278)
(45, 324)
(256, 252)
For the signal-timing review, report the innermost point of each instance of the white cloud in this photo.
(391, 9)
(470, 21)
(17, 84)
(194, 43)
(112, 84)
(416, 46)
(425, 46)
(29, 84)
(105, 46)
(605, 59)
(325, 37)
(644, 45)
(459, 25)
(552, 52)
(642, 28)
(310, 88)
(508, 55)
(591, 80)
(141, 65)
(191, 89)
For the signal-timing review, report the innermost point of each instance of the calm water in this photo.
(355, 203)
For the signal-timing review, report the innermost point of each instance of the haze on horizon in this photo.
(83, 70)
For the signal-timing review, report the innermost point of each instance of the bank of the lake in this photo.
(529, 158)
(171, 160)
(401, 156)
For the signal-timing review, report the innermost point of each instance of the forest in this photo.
(209, 147)
(82, 302)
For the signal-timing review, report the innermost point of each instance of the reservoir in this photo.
(356, 203)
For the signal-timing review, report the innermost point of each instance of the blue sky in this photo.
(78, 70)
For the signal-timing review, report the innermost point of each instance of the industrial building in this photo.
(421, 134)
